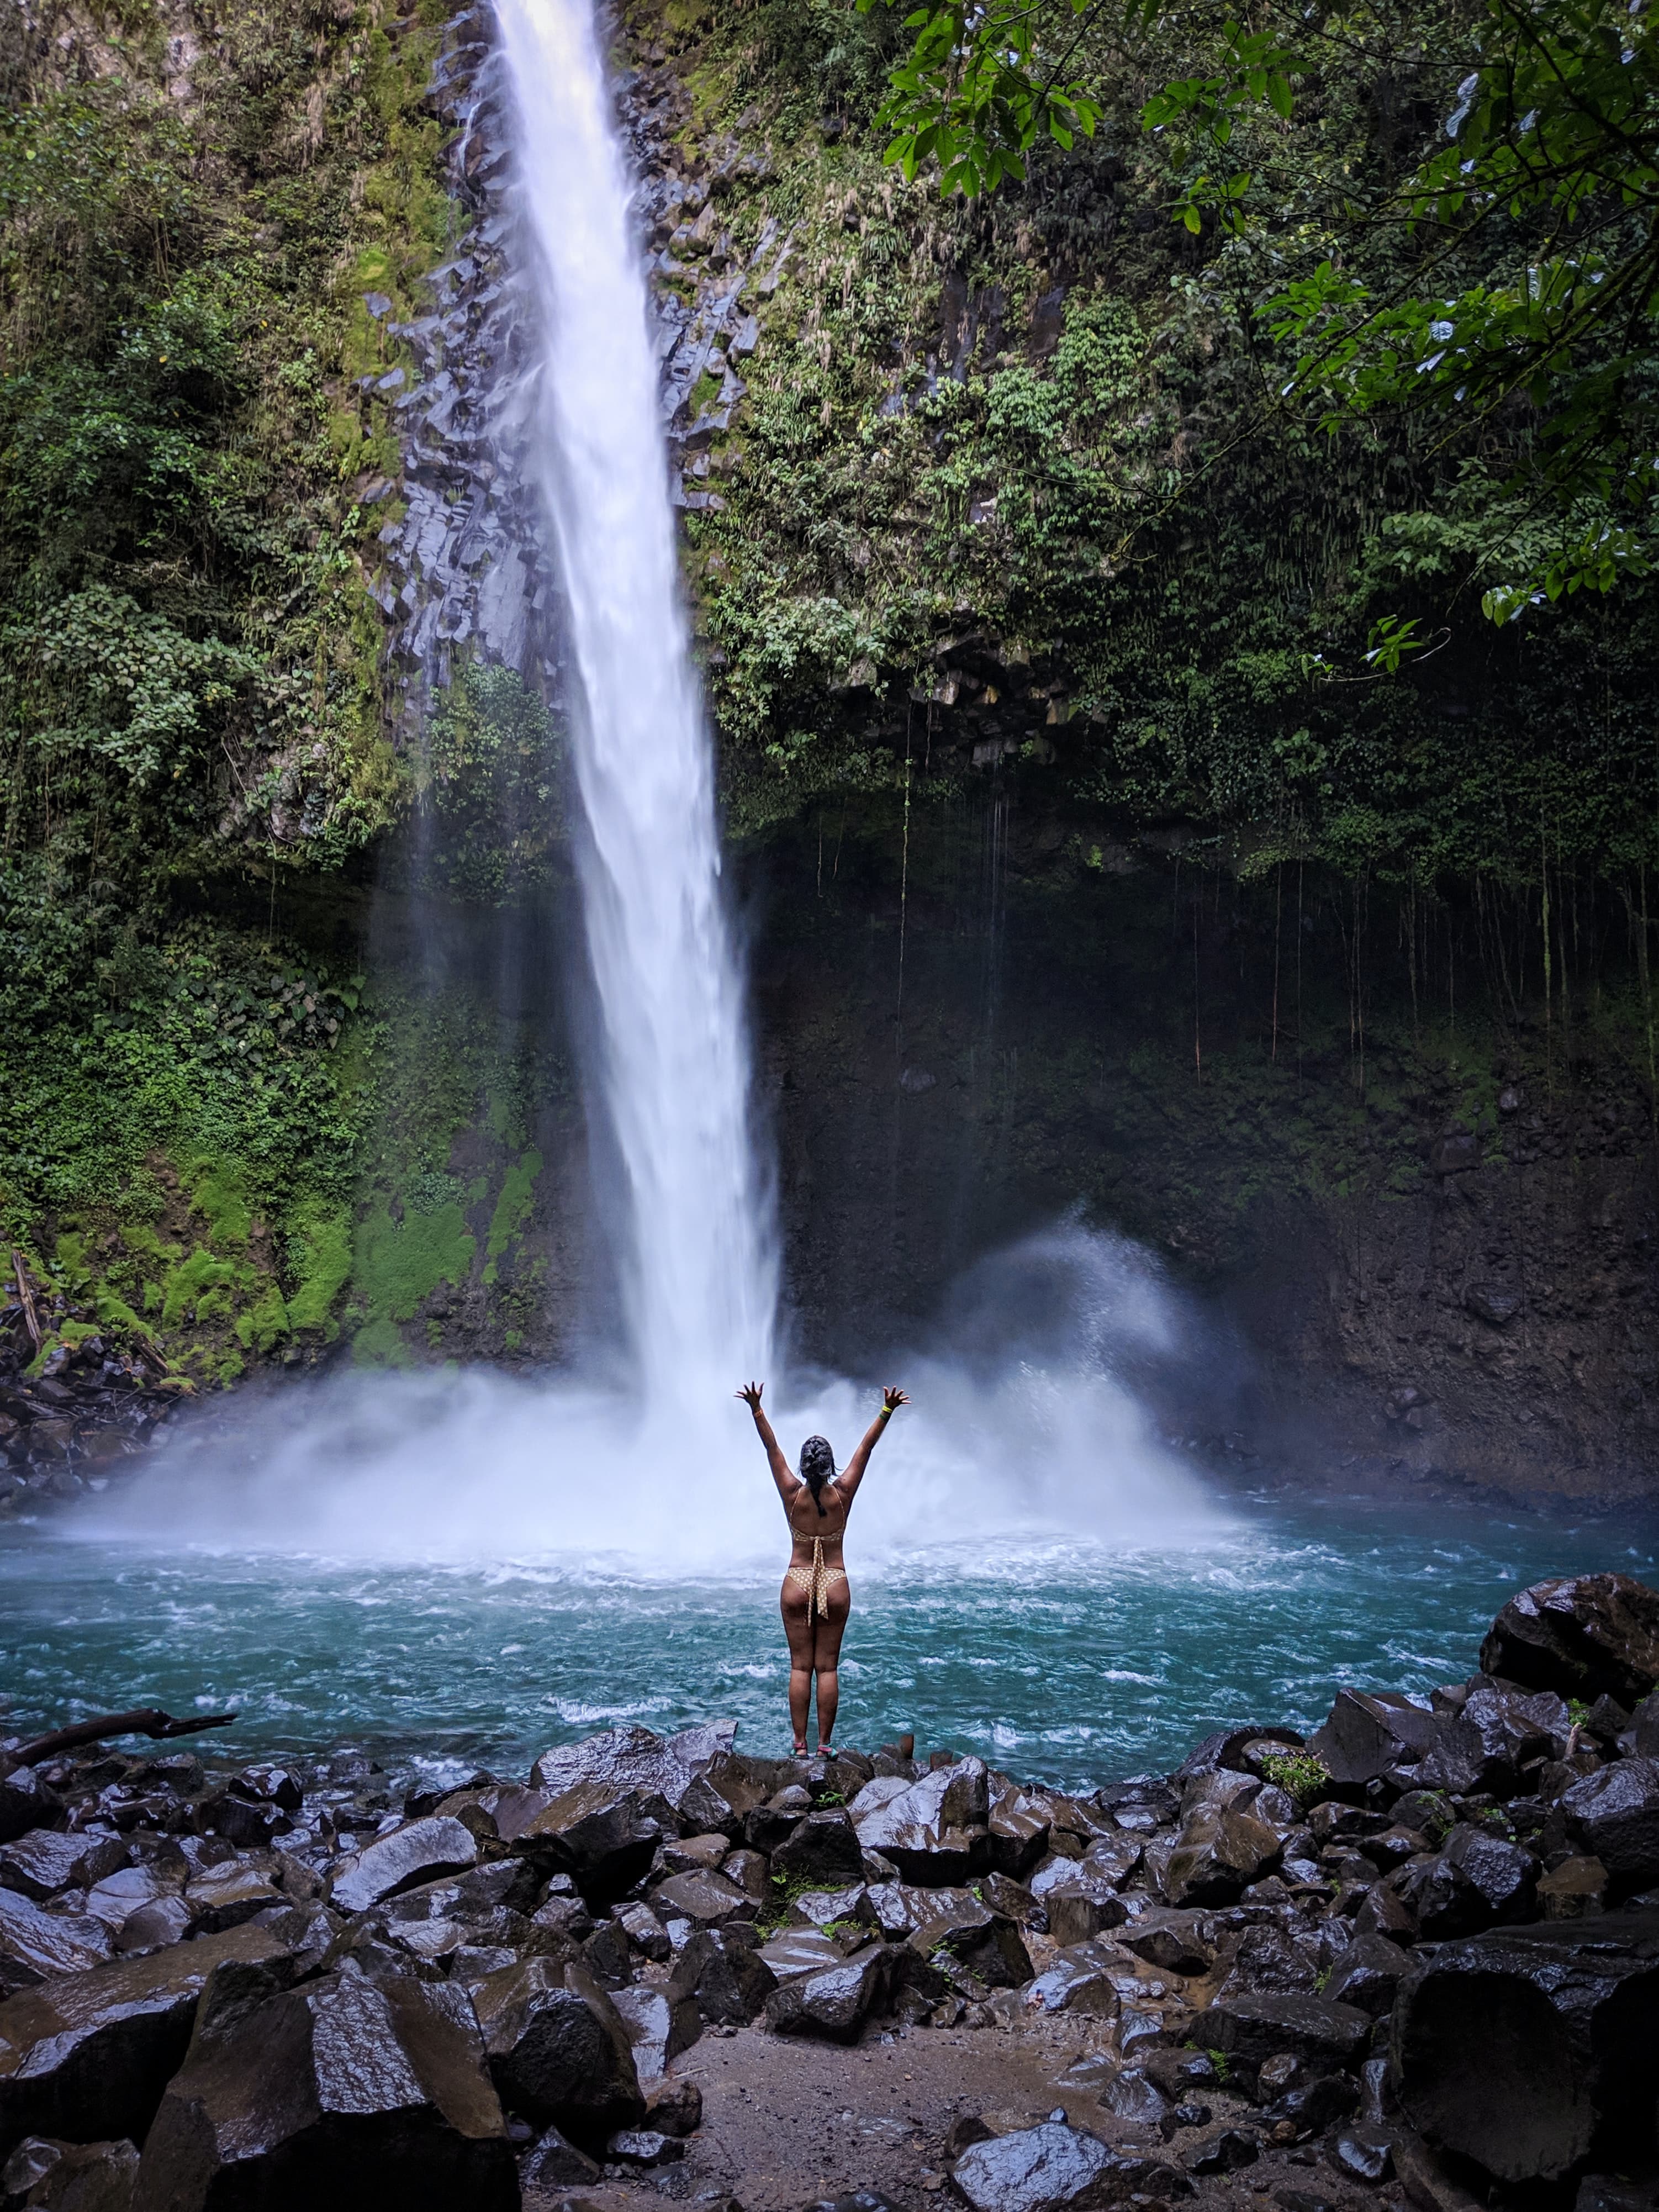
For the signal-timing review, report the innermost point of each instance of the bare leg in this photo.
(826, 1657)
(799, 1630)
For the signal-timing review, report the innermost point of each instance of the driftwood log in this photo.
(144, 1720)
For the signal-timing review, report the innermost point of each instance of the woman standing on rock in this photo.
(816, 1597)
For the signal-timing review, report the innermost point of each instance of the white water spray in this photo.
(698, 1260)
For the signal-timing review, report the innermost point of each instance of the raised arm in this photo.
(852, 1474)
(788, 1482)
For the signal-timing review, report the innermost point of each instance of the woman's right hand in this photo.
(750, 1395)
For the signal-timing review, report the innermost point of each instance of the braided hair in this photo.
(817, 1467)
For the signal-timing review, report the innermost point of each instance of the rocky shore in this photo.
(1413, 1958)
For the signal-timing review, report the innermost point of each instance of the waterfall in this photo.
(698, 1255)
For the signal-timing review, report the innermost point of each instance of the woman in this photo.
(816, 1596)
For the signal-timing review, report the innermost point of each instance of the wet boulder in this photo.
(1478, 1880)
(1082, 1902)
(1582, 1636)
(1494, 1734)
(985, 1944)
(1017, 1833)
(823, 1850)
(1128, 2094)
(1369, 1733)
(87, 2056)
(553, 2167)
(1221, 1847)
(833, 2003)
(1368, 1974)
(605, 1837)
(34, 1945)
(1325, 2036)
(1081, 1980)
(559, 2052)
(1053, 2167)
(227, 1896)
(1528, 2049)
(933, 1831)
(1172, 1940)
(44, 2176)
(418, 1853)
(727, 1977)
(40, 1864)
(1614, 1815)
(26, 1801)
(1266, 1958)
(661, 2022)
(343, 2092)
(692, 1777)
(674, 2108)
(705, 1899)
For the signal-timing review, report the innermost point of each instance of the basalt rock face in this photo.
(527, 1963)
(1586, 1636)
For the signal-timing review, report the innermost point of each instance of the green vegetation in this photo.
(1302, 1775)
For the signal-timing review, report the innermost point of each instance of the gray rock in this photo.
(36, 1945)
(41, 1863)
(1362, 2158)
(343, 2092)
(1230, 2151)
(644, 1931)
(986, 1943)
(1614, 1815)
(1046, 2168)
(1082, 1903)
(26, 1802)
(661, 2022)
(1252, 2028)
(1529, 2049)
(1478, 1880)
(604, 1837)
(933, 1831)
(823, 1850)
(644, 2147)
(1129, 2094)
(1368, 1975)
(553, 2168)
(1171, 1940)
(1368, 1733)
(1582, 1636)
(1079, 1981)
(729, 1979)
(44, 2176)
(418, 1853)
(226, 1897)
(87, 2057)
(559, 2051)
(675, 2108)
(831, 2004)
(704, 1899)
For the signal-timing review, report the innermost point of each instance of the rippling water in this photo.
(1061, 1661)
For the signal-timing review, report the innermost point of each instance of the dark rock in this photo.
(1169, 1939)
(1479, 1880)
(341, 2092)
(40, 1864)
(675, 2108)
(1252, 2028)
(644, 1931)
(1229, 2151)
(824, 1850)
(706, 1900)
(1583, 1636)
(553, 2168)
(1080, 1980)
(1083, 1903)
(1527, 2049)
(226, 1897)
(693, 1774)
(1220, 1847)
(1608, 2192)
(661, 2022)
(605, 1955)
(25, 1803)
(1362, 2160)
(1188, 2114)
(1367, 1734)
(1266, 1958)
(986, 1943)
(934, 1831)
(748, 1870)
(603, 1837)
(419, 1853)
(1574, 1888)
(34, 1946)
(87, 2057)
(644, 2147)
(1226, 1750)
(1017, 1833)
(559, 2051)
(1454, 1154)
(1177, 2073)
(1043, 2169)
(1614, 1815)
(44, 2176)
(729, 1979)
(1311, 2106)
(1130, 2095)
(1368, 1975)
(1495, 1733)
(832, 2002)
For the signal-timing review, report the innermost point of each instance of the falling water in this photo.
(697, 1256)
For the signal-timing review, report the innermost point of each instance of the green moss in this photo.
(517, 1195)
(197, 1283)
(220, 1197)
(320, 1256)
(396, 1264)
(265, 1324)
